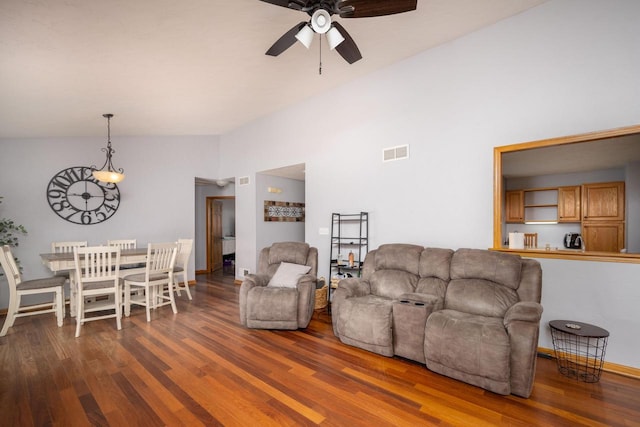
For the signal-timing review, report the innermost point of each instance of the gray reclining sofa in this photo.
(469, 314)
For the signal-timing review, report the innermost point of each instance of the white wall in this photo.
(157, 195)
(565, 67)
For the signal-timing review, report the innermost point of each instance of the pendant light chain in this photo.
(108, 116)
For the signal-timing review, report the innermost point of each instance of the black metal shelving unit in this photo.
(349, 234)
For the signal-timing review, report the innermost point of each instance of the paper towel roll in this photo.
(516, 240)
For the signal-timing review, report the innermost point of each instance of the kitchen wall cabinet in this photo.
(533, 205)
(598, 207)
(603, 236)
(603, 201)
(603, 216)
(514, 207)
(569, 204)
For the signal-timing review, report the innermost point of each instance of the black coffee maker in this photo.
(573, 241)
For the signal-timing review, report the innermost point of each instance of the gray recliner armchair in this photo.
(282, 294)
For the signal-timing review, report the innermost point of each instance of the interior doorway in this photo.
(284, 184)
(220, 246)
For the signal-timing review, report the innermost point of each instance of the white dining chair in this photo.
(98, 274)
(123, 243)
(157, 280)
(66, 247)
(19, 288)
(185, 246)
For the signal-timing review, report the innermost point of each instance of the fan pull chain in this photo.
(320, 67)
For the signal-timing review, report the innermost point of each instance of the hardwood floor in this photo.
(200, 367)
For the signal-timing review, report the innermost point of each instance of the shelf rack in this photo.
(349, 233)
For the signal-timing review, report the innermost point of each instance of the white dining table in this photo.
(64, 263)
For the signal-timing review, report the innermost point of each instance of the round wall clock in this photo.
(76, 196)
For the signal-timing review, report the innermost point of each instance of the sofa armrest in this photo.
(308, 278)
(524, 311)
(256, 280)
(306, 299)
(522, 322)
(353, 287)
(250, 281)
(347, 288)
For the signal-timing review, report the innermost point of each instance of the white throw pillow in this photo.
(288, 274)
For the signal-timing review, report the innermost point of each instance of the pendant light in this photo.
(108, 173)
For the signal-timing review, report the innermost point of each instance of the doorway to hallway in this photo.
(220, 232)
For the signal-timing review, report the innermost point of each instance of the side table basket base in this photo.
(579, 349)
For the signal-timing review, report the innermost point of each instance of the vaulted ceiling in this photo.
(190, 67)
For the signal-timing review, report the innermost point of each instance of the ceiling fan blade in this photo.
(283, 3)
(290, 4)
(348, 48)
(370, 8)
(286, 41)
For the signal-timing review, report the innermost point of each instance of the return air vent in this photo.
(399, 152)
(243, 180)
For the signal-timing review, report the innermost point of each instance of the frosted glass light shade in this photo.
(305, 36)
(108, 176)
(334, 38)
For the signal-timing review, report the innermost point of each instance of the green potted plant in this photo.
(9, 232)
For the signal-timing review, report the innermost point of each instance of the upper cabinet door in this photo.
(569, 204)
(514, 206)
(603, 201)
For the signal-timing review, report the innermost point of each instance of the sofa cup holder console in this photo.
(409, 319)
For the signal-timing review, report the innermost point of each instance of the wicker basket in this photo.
(321, 295)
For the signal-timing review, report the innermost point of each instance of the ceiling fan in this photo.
(321, 11)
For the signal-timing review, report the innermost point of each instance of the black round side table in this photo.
(579, 349)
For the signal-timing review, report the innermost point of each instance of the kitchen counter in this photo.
(573, 254)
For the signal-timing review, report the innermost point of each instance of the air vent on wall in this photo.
(243, 180)
(399, 152)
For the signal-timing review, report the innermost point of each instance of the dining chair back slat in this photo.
(123, 243)
(66, 247)
(97, 271)
(161, 258)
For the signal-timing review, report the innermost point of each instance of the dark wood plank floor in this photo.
(200, 367)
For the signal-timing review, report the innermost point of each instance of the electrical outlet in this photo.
(244, 272)
(323, 231)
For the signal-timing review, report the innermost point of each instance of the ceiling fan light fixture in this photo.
(305, 36)
(321, 21)
(334, 38)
